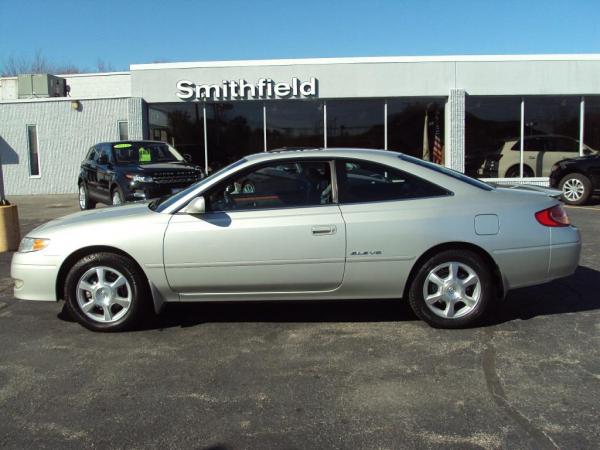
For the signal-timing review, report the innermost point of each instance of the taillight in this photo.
(553, 217)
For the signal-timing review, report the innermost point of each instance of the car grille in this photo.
(176, 177)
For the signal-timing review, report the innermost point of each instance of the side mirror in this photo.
(587, 151)
(196, 206)
(187, 157)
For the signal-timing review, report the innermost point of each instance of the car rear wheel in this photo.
(84, 198)
(106, 292)
(576, 188)
(452, 289)
(514, 172)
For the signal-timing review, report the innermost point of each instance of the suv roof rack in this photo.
(293, 149)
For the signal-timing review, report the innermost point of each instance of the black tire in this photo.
(514, 172)
(140, 307)
(85, 202)
(573, 197)
(117, 191)
(486, 297)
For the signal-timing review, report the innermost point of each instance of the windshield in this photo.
(451, 173)
(162, 203)
(144, 153)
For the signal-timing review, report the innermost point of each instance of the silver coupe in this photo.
(310, 224)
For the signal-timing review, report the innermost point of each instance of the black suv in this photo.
(577, 178)
(123, 171)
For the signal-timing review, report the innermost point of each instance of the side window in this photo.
(278, 185)
(564, 144)
(361, 181)
(91, 156)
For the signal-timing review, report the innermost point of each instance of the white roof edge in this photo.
(92, 74)
(61, 99)
(75, 75)
(369, 59)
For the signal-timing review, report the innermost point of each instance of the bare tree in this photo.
(14, 66)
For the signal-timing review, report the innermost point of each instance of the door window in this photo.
(361, 181)
(277, 185)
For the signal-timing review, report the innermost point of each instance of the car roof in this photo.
(132, 141)
(312, 152)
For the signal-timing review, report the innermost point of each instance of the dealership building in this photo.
(505, 118)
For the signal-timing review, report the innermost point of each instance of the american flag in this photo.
(438, 154)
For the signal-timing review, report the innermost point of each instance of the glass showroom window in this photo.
(492, 130)
(34, 154)
(591, 130)
(355, 123)
(551, 131)
(233, 130)
(416, 127)
(294, 123)
(181, 125)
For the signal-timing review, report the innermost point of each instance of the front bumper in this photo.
(34, 277)
(147, 191)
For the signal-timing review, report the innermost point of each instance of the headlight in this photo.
(139, 178)
(33, 244)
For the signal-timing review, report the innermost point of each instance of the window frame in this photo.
(37, 145)
(119, 122)
(253, 168)
(342, 160)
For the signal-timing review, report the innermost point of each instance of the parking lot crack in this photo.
(496, 390)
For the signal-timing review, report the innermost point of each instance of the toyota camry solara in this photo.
(304, 225)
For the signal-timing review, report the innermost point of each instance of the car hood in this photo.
(96, 216)
(166, 166)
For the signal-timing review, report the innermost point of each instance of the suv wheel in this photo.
(452, 289)
(106, 292)
(117, 197)
(576, 188)
(84, 198)
(514, 172)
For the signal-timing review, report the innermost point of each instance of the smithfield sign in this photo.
(265, 88)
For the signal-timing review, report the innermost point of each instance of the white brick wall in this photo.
(64, 136)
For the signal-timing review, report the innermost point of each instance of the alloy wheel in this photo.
(82, 197)
(116, 198)
(452, 290)
(104, 294)
(573, 189)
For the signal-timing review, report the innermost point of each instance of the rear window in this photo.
(449, 172)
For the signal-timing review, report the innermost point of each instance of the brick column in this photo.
(135, 111)
(455, 145)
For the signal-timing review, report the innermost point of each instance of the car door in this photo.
(89, 167)
(270, 229)
(391, 218)
(558, 148)
(104, 171)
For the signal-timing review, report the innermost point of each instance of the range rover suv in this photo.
(123, 171)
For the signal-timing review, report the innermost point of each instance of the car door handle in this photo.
(321, 230)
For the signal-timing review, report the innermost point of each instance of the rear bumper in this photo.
(536, 265)
(33, 281)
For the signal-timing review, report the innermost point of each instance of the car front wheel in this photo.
(452, 289)
(106, 292)
(576, 189)
(117, 197)
(84, 198)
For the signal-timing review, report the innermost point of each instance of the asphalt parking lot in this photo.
(307, 375)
